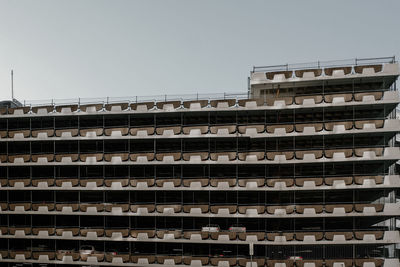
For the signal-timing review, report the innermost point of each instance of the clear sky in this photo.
(94, 48)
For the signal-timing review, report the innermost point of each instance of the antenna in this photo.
(12, 85)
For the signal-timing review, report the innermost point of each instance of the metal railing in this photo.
(135, 99)
(325, 64)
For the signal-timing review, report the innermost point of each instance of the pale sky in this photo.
(93, 48)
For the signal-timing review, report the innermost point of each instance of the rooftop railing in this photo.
(134, 99)
(213, 96)
(325, 64)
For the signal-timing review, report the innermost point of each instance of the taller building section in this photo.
(334, 116)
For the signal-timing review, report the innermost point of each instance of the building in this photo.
(299, 171)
